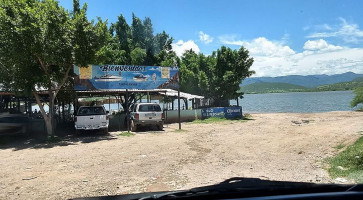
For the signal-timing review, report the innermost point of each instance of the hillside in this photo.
(272, 88)
(263, 87)
(351, 85)
(310, 81)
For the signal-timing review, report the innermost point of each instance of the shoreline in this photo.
(299, 92)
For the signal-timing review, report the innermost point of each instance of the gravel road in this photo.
(277, 146)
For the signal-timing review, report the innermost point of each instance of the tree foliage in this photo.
(358, 98)
(136, 44)
(40, 43)
(217, 76)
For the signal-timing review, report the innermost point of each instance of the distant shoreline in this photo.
(274, 92)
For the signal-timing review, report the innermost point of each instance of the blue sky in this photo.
(284, 37)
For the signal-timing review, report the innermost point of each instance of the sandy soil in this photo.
(271, 146)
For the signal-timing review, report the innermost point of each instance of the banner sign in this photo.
(226, 112)
(108, 77)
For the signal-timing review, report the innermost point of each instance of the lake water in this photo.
(296, 102)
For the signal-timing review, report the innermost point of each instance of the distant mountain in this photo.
(351, 85)
(309, 81)
(263, 87)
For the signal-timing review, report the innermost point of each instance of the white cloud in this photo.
(180, 47)
(349, 32)
(320, 45)
(324, 27)
(205, 38)
(305, 28)
(307, 63)
(260, 46)
(230, 40)
(273, 58)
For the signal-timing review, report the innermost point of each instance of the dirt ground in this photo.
(279, 146)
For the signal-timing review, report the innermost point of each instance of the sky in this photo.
(287, 37)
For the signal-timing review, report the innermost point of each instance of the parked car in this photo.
(91, 118)
(13, 124)
(146, 114)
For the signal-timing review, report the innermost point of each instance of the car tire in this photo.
(133, 126)
(78, 132)
(105, 131)
(160, 127)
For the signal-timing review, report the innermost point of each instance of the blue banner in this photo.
(233, 112)
(226, 112)
(212, 112)
(108, 77)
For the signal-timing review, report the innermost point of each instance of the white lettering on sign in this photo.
(233, 110)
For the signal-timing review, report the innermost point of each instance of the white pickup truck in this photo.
(91, 118)
(146, 114)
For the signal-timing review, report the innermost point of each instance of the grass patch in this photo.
(212, 120)
(52, 140)
(180, 130)
(247, 117)
(209, 120)
(126, 134)
(340, 146)
(351, 159)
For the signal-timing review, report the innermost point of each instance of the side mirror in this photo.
(107, 112)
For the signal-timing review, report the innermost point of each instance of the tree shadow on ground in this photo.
(19, 142)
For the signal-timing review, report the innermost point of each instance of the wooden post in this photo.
(127, 110)
(237, 101)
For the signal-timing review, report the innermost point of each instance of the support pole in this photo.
(148, 97)
(18, 105)
(237, 101)
(118, 110)
(30, 107)
(127, 110)
(109, 103)
(179, 109)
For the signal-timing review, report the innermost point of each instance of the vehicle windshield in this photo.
(84, 111)
(149, 108)
(117, 97)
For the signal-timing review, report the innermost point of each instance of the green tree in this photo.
(162, 41)
(138, 33)
(232, 67)
(358, 98)
(129, 43)
(216, 76)
(189, 70)
(123, 36)
(40, 43)
(138, 56)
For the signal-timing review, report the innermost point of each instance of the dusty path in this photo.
(272, 146)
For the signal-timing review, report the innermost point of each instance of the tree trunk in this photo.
(51, 113)
(47, 118)
(63, 114)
